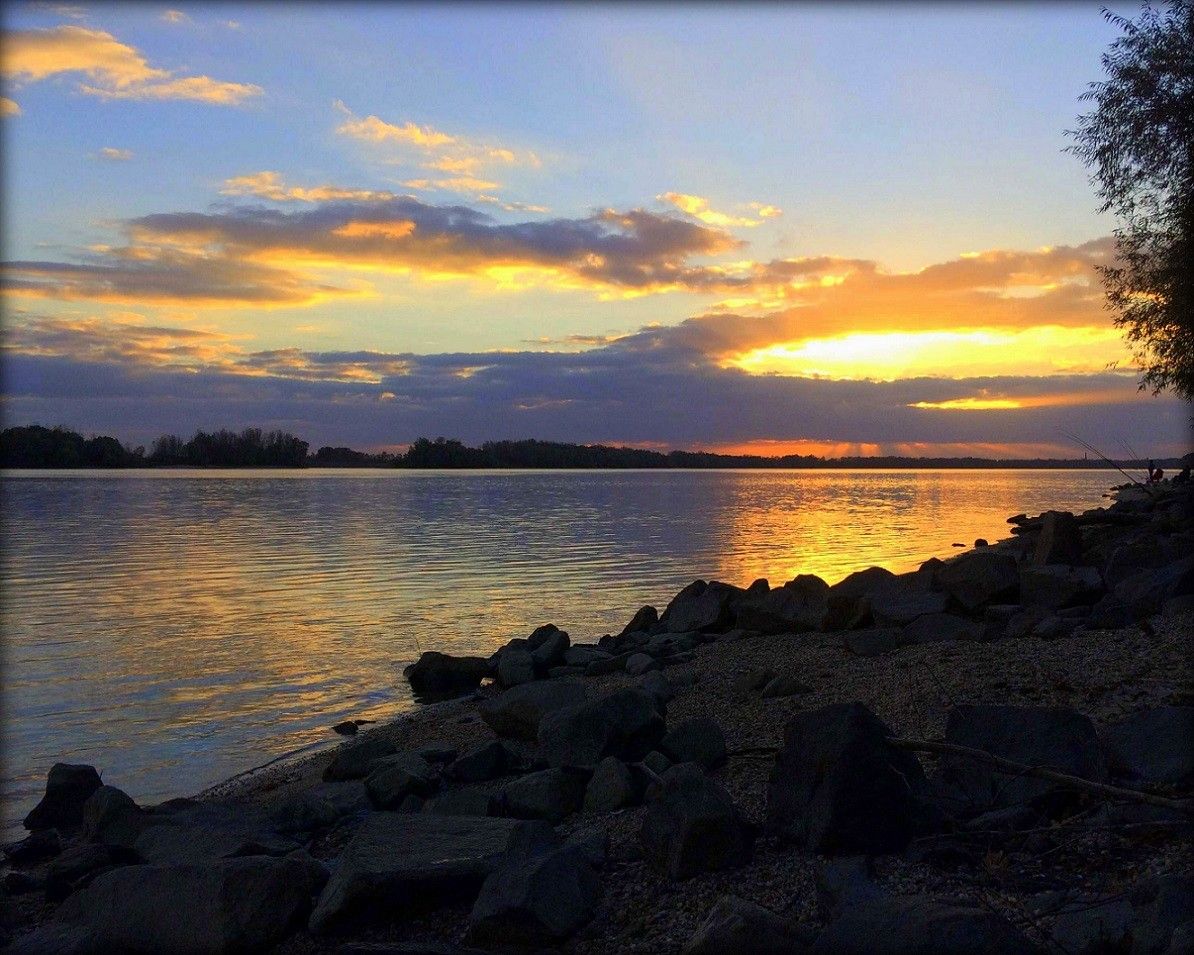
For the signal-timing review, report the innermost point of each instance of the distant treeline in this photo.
(37, 447)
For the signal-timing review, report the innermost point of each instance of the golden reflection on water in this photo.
(176, 627)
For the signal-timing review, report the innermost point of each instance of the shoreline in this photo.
(1106, 674)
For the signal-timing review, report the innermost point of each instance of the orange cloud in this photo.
(698, 208)
(115, 155)
(270, 185)
(115, 70)
(9, 107)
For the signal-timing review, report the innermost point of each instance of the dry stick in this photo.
(1010, 766)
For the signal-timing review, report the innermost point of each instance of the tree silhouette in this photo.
(1139, 141)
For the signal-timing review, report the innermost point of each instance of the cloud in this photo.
(270, 185)
(698, 208)
(175, 16)
(257, 255)
(375, 130)
(113, 154)
(466, 184)
(9, 107)
(114, 69)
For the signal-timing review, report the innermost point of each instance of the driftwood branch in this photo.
(1040, 772)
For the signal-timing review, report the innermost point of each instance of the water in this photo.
(176, 627)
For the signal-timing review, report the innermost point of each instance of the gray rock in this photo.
(397, 861)
(391, 782)
(77, 866)
(537, 900)
(517, 712)
(785, 684)
(233, 905)
(42, 844)
(551, 794)
(737, 927)
(465, 801)
(842, 882)
(980, 577)
(1056, 585)
(1059, 540)
(936, 627)
(439, 675)
(355, 760)
(693, 826)
(874, 642)
(838, 786)
(1090, 926)
(437, 752)
(615, 664)
(1110, 613)
(640, 663)
(1155, 745)
(898, 606)
(548, 644)
(68, 787)
(753, 679)
(186, 839)
(485, 762)
(701, 606)
(1146, 591)
(644, 620)
(110, 816)
(1055, 737)
(56, 938)
(626, 724)
(657, 763)
(516, 665)
(657, 685)
(1160, 906)
(913, 925)
(306, 812)
(796, 607)
(696, 740)
(612, 786)
(577, 655)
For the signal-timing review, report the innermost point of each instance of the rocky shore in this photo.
(994, 753)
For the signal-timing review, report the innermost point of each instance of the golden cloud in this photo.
(270, 185)
(116, 70)
(115, 155)
(9, 107)
(698, 208)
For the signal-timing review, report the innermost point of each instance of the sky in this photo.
(830, 229)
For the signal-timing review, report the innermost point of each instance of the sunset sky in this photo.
(807, 228)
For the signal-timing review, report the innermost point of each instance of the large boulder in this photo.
(693, 826)
(233, 905)
(516, 665)
(548, 645)
(110, 816)
(900, 605)
(980, 577)
(1059, 540)
(438, 675)
(1161, 908)
(398, 861)
(938, 627)
(701, 606)
(848, 602)
(394, 779)
(355, 760)
(737, 927)
(1052, 737)
(1054, 586)
(645, 620)
(517, 712)
(626, 724)
(68, 787)
(483, 763)
(612, 786)
(551, 794)
(915, 925)
(1154, 745)
(839, 787)
(537, 900)
(1147, 590)
(796, 607)
(695, 740)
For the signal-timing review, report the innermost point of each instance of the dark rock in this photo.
(701, 606)
(548, 644)
(900, 605)
(693, 826)
(838, 786)
(110, 816)
(696, 740)
(980, 577)
(1059, 540)
(753, 679)
(401, 862)
(465, 801)
(517, 712)
(1143, 553)
(355, 760)
(555, 673)
(1155, 745)
(228, 906)
(615, 664)
(612, 786)
(937, 627)
(306, 812)
(346, 728)
(22, 883)
(796, 607)
(656, 762)
(1087, 925)
(175, 841)
(1147, 590)
(390, 783)
(1160, 906)
(551, 794)
(640, 663)
(439, 675)
(537, 900)
(583, 656)
(737, 927)
(77, 866)
(1055, 737)
(874, 642)
(644, 620)
(842, 882)
(42, 844)
(68, 786)
(981, 542)
(515, 666)
(485, 762)
(626, 724)
(862, 583)
(657, 685)
(437, 752)
(914, 925)
(785, 684)
(1058, 585)
(56, 938)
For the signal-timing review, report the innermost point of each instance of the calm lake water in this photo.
(176, 627)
